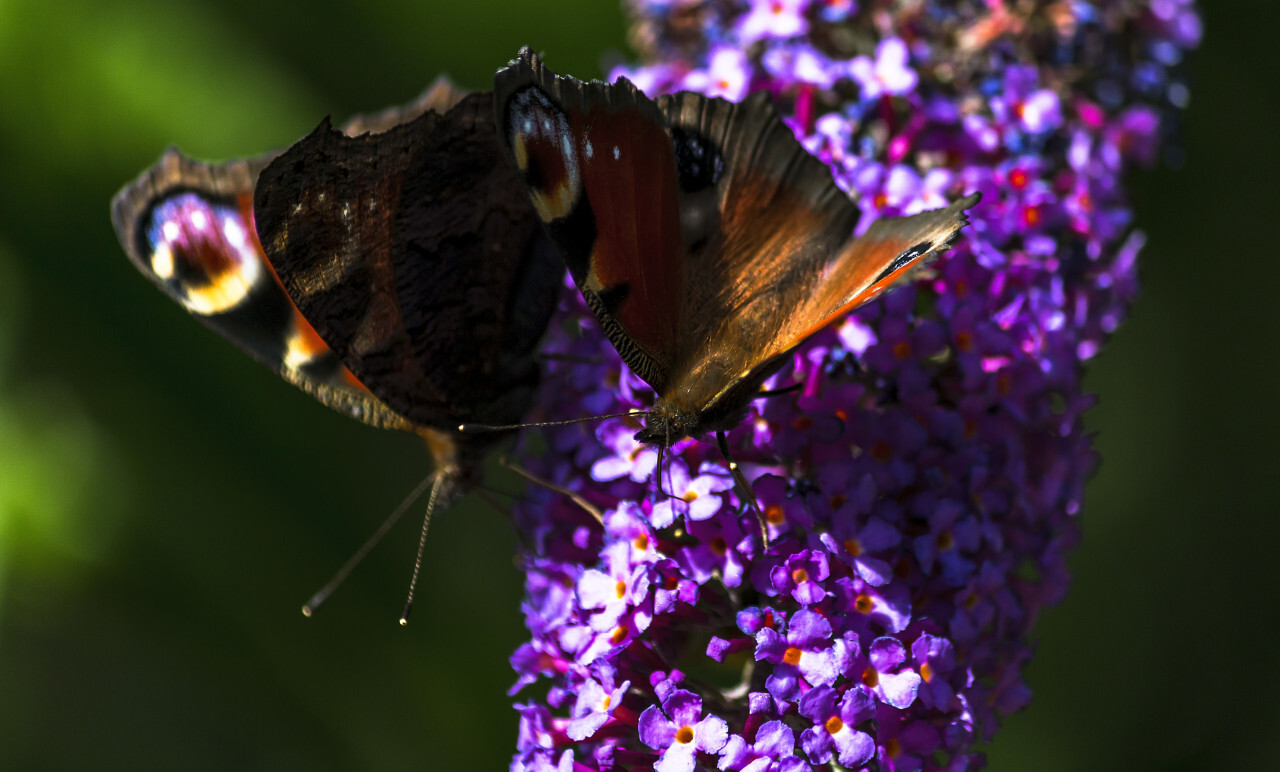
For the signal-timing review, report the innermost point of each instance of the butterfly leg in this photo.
(744, 489)
(536, 480)
(779, 392)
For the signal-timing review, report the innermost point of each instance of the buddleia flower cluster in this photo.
(923, 489)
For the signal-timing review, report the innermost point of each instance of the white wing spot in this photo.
(617, 152)
(199, 220)
(233, 232)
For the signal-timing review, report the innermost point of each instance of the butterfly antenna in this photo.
(422, 545)
(485, 495)
(481, 428)
(744, 490)
(323, 593)
(576, 498)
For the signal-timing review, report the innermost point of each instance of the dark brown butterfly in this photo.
(404, 279)
(708, 243)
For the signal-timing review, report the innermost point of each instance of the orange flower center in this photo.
(853, 547)
(774, 515)
(834, 725)
(791, 656)
(621, 589)
(892, 747)
(926, 672)
(870, 677)
(684, 735)
(902, 349)
(799, 576)
(881, 451)
(964, 340)
(864, 603)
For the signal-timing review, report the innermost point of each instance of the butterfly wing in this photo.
(439, 97)
(600, 170)
(416, 257)
(188, 226)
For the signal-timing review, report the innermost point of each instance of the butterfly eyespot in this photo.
(542, 146)
(698, 163)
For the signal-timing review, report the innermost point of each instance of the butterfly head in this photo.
(665, 424)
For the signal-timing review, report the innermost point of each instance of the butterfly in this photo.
(706, 241)
(393, 270)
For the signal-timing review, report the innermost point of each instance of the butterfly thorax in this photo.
(458, 459)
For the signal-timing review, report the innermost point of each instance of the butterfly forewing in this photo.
(413, 253)
(872, 263)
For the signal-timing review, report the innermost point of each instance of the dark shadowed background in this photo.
(166, 504)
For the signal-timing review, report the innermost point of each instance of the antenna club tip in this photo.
(307, 611)
(404, 621)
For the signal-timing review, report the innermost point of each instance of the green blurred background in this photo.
(166, 504)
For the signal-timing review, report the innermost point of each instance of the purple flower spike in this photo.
(923, 486)
(679, 732)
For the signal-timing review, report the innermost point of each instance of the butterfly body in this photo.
(707, 242)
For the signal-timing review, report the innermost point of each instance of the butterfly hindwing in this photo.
(188, 226)
(416, 256)
(439, 97)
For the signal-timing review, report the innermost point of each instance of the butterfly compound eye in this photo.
(544, 151)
